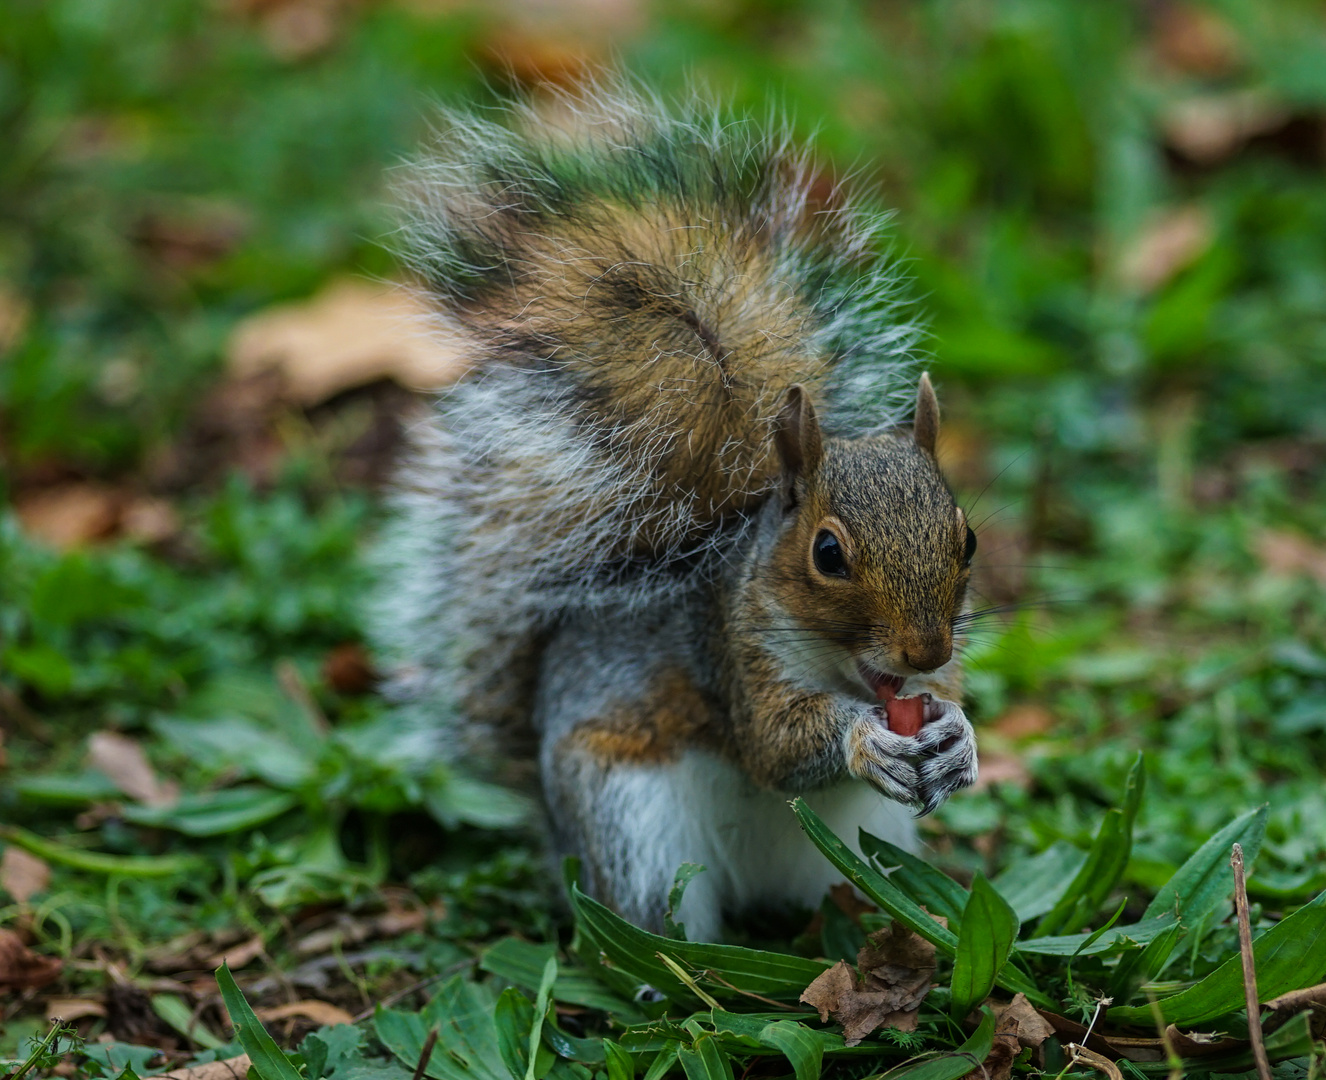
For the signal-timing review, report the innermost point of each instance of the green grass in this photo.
(1133, 450)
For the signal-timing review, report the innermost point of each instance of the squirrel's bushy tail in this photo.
(636, 287)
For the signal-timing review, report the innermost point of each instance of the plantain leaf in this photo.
(965, 1059)
(1288, 956)
(705, 1061)
(897, 903)
(512, 1019)
(934, 890)
(1111, 940)
(637, 952)
(621, 1065)
(268, 1061)
(989, 928)
(540, 1012)
(798, 1044)
(1204, 880)
(686, 871)
(1033, 886)
(521, 962)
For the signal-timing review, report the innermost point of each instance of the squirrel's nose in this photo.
(929, 655)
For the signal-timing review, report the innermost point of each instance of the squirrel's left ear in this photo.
(797, 438)
(925, 429)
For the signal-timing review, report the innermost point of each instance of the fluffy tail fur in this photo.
(636, 287)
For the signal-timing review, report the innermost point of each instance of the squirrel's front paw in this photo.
(948, 752)
(884, 760)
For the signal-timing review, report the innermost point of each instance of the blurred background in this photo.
(1115, 218)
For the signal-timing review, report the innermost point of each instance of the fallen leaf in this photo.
(1199, 1044)
(239, 955)
(1289, 1005)
(124, 762)
(349, 335)
(349, 670)
(22, 874)
(68, 1009)
(1212, 127)
(320, 1012)
(69, 515)
(1021, 1019)
(149, 521)
(1097, 1061)
(1170, 242)
(996, 768)
(14, 312)
(23, 969)
(236, 1068)
(1195, 40)
(1023, 721)
(350, 931)
(1288, 554)
(893, 975)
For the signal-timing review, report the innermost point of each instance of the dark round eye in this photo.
(829, 555)
(970, 549)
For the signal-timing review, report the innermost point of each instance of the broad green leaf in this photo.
(672, 928)
(243, 744)
(1033, 886)
(467, 1047)
(989, 928)
(1142, 965)
(453, 799)
(183, 1019)
(621, 1065)
(1293, 1039)
(705, 1060)
(965, 1059)
(521, 962)
(267, 1059)
(894, 901)
(1110, 940)
(540, 1011)
(637, 952)
(94, 862)
(512, 1019)
(66, 790)
(664, 1062)
(801, 1047)
(932, 889)
(1288, 956)
(1205, 879)
(215, 813)
(840, 937)
(1105, 863)
(590, 1051)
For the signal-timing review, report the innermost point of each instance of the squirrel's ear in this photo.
(925, 429)
(797, 434)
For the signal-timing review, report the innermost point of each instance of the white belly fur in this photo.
(701, 809)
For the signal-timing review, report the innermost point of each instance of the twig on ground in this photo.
(426, 1053)
(1249, 966)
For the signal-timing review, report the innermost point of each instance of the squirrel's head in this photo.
(874, 554)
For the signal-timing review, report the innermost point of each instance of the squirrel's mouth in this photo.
(886, 686)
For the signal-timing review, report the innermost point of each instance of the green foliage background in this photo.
(1136, 450)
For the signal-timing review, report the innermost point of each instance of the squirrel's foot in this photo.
(884, 760)
(921, 770)
(947, 743)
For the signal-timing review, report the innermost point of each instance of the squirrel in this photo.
(668, 548)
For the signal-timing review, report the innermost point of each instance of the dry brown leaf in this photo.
(349, 335)
(23, 969)
(239, 955)
(997, 768)
(22, 874)
(350, 931)
(149, 521)
(1288, 554)
(1170, 242)
(1199, 1044)
(1289, 1005)
(236, 1068)
(14, 312)
(1195, 40)
(320, 1012)
(1212, 127)
(69, 515)
(68, 1009)
(348, 669)
(1023, 721)
(1023, 1021)
(124, 762)
(1099, 1062)
(895, 967)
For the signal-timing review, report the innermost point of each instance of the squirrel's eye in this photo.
(970, 549)
(829, 555)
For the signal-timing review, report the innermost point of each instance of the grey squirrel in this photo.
(668, 550)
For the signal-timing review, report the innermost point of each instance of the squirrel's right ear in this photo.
(797, 436)
(925, 428)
